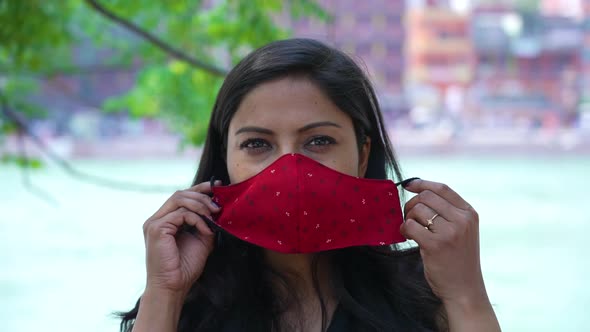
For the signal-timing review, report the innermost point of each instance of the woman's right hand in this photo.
(175, 260)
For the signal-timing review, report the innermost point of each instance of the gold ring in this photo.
(430, 221)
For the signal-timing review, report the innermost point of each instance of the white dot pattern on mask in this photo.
(352, 220)
(364, 201)
(280, 242)
(390, 194)
(272, 171)
(382, 243)
(328, 240)
(278, 193)
(304, 213)
(317, 226)
(309, 174)
(287, 213)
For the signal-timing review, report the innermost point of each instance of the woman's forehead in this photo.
(287, 102)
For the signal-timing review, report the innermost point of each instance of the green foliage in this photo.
(30, 29)
(42, 38)
(15, 93)
(174, 93)
(22, 161)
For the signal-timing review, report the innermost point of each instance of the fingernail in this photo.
(215, 204)
(405, 183)
(214, 182)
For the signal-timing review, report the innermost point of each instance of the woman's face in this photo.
(291, 115)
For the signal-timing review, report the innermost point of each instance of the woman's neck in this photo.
(298, 270)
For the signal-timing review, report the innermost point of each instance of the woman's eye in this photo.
(255, 145)
(321, 141)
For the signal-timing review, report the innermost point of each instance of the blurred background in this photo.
(104, 105)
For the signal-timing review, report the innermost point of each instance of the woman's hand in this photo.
(174, 259)
(446, 228)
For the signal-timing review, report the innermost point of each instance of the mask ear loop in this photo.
(212, 181)
(212, 225)
(406, 182)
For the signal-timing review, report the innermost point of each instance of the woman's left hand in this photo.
(449, 244)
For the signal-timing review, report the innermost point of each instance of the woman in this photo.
(302, 98)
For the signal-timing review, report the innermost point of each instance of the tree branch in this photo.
(24, 128)
(25, 172)
(174, 52)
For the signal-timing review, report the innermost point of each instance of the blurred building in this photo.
(527, 67)
(440, 58)
(373, 31)
(439, 51)
(565, 8)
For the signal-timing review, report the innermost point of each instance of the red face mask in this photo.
(297, 205)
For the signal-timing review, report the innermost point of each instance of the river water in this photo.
(69, 261)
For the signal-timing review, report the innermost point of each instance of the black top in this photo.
(341, 321)
(345, 321)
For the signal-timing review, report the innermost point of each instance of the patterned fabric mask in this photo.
(297, 205)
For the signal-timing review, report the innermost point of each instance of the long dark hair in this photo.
(379, 289)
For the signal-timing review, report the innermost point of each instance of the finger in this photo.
(185, 239)
(203, 228)
(198, 222)
(412, 230)
(440, 189)
(201, 198)
(170, 223)
(204, 187)
(193, 201)
(421, 213)
(436, 203)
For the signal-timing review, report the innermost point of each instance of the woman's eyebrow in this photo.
(254, 130)
(318, 124)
